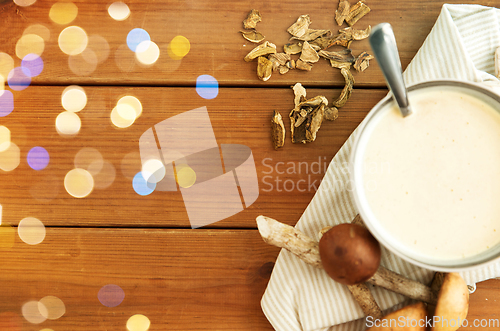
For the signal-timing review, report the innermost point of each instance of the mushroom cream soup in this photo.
(432, 180)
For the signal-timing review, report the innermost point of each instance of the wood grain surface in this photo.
(210, 278)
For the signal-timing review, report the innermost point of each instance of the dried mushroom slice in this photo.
(357, 34)
(362, 61)
(346, 91)
(301, 65)
(281, 58)
(344, 55)
(252, 19)
(308, 54)
(253, 36)
(290, 64)
(306, 119)
(357, 12)
(263, 49)
(300, 93)
(312, 34)
(292, 48)
(331, 113)
(342, 11)
(264, 68)
(278, 130)
(283, 69)
(299, 28)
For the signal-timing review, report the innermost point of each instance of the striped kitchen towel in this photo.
(298, 297)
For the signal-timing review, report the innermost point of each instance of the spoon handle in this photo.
(384, 47)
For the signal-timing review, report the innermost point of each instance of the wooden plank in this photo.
(288, 178)
(217, 48)
(180, 280)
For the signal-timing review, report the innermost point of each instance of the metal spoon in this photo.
(384, 47)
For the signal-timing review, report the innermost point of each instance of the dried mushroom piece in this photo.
(263, 49)
(301, 65)
(331, 113)
(357, 12)
(308, 54)
(312, 34)
(283, 69)
(300, 93)
(362, 61)
(264, 68)
(280, 58)
(299, 28)
(342, 11)
(252, 19)
(253, 36)
(292, 48)
(278, 130)
(290, 64)
(357, 34)
(306, 119)
(346, 91)
(344, 55)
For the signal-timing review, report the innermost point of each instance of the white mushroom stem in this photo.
(278, 234)
(286, 236)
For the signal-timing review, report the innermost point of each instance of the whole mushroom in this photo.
(349, 253)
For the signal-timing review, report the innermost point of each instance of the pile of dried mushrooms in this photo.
(308, 46)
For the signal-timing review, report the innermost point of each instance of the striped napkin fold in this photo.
(299, 297)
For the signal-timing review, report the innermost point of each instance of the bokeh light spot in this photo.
(10, 158)
(31, 312)
(38, 158)
(38, 29)
(131, 164)
(141, 186)
(29, 43)
(180, 47)
(133, 102)
(68, 123)
(100, 46)
(118, 11)
(7, 238)
(126, 111)
(147, 52)
(6, 64)
(122, 122)
(83, 64)
(24, 3)
(105, 177)
(186, 177)
(6, 103)
(138, 322)
(111, 295)
(135, 37)
(73, 98)
(79, 183)
(54, 307)
(31, 230)
(33, 63)
(90, 159)
(63, 12)
(73, 40)
(2, 84)
(19, 78)
(207, 87)
(153, 171)
(4, 141)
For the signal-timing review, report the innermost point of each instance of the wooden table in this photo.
(210, 278)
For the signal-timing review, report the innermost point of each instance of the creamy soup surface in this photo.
(432, 179)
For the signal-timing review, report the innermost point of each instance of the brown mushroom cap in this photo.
(349, 253)
(409, 318)
(452, 305)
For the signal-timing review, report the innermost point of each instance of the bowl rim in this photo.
(355, 194)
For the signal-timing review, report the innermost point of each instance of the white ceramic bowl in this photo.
(377, 229)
